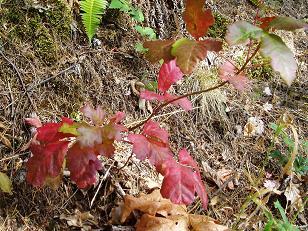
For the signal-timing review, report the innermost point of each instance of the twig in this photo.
(128, 159)
(51, 77)
(20, 79)
(159, 107)
(14, 156)
(100, 185)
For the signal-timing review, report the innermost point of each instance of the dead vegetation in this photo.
(47, 68)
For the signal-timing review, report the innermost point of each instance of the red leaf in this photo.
(265, 22)
(186, 159)
(113, 129)
(152, 129)
(183, 102)
(159, 49)
(282, 23)
(101, 139)
(151, 144)
(95, 115)
(176, 185)
(47, 161)
(227, 72)
(150, 95)
(169, 74)
(83, 165)
(197, 20)
(49, 132)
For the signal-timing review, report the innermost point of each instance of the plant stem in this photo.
(249, 59)
(159, 107)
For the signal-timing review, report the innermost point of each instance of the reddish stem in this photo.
(159, 107)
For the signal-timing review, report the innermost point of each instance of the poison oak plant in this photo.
(77, 145)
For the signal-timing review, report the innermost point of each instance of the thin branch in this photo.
(20, 79)
(159, 107)
(51, 77)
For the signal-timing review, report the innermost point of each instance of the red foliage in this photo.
(227, 72)
(169, 74)
(46, 162)
(265, 22)
(175, 185)
(183, 102)
(151, 144)
(83, 165)
(197, 20)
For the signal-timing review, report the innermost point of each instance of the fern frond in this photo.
(92, 14)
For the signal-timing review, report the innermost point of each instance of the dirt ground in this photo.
(47, 68)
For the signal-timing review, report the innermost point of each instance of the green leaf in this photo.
(137, 15)
(240, 32)
(140, 48)
(69, 128)
(301, 165)
(121, 5)
(281, 211)
(188, 53)
(151, 85)
(282, 59)
(92, 14)
(146, 32)
(287, 23)
(5, 183)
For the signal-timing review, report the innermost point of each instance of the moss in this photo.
(45, 26)
(219, 29)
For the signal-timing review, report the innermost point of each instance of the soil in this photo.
(47, 68)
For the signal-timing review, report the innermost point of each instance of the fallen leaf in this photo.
(202, 223)
(78, 219)
(224, 175)
(160, 214)
(151, 204)
(5, 183)
(5, 141)
(172, 223)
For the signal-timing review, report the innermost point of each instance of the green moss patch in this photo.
(44, 25)
(219, 29)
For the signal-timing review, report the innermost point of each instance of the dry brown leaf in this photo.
(224, 175)
(201, 223)
(78, 219)
(171, 223)
(5, 141)
(160, 214)
(151, 204)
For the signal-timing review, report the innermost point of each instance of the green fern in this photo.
(92, 14)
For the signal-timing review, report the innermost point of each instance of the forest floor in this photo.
(48, 69)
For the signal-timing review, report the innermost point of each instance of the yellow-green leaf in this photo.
(5, 183)
(69, 128)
